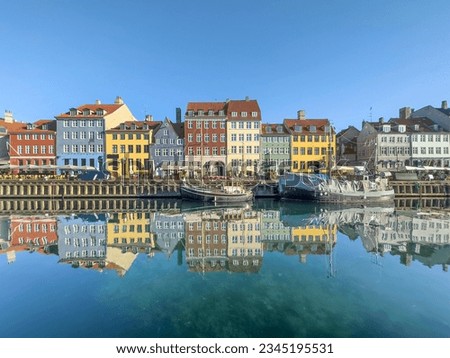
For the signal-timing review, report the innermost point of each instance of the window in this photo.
(233, 114)
(114, 149)
(199, 138)
(66, 135)
(254, 114)
(82, 135)
(243, 114)
(66, 148)
(74, 148)
(130, 148)
(234, 137)
(43, 149)
(74, 135)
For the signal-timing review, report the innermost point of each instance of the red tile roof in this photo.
(19, 127)
(306, 124)
(239, 106)
(228, 107)
(205, 106)
(108, 108)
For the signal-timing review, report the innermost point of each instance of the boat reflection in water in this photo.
(226, 238)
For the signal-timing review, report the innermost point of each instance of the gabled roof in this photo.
(348, 130)
(179, 129)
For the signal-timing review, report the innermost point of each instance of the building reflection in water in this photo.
(231, 239)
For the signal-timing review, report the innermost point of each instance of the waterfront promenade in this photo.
(61, 194)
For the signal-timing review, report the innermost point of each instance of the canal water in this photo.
(271, 269)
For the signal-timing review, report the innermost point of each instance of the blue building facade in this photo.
(80, 134)
(167, 151)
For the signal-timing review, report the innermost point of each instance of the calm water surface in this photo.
(271, 270)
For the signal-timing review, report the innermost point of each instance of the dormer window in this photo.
(134, 127)
(402, 128)
(86, 112)
(243, 114)
(30, 126)
(416, 127)
(73, 112)
(145, 127)
(386, 128)
(100, 112)
(312, 129)
(297, 128)
(210, 113)
(269, 129)
(190, 113)
(233, 114)
(200, 112)
(123, 126)
(221, 112)
(254, 114)
(44, 127)
(280, 129)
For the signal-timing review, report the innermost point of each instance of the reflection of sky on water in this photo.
(276, 272)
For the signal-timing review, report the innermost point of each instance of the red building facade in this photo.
(31, 145)
(205, 137)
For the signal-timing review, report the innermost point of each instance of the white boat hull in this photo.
(311, 188)
(212, 195)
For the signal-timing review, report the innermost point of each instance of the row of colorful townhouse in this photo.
(215, 139)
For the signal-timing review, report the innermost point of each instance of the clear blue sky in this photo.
(334, 59)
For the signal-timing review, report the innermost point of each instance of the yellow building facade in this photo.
(313, 145)
(128, 148)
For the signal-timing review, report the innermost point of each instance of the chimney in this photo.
(444, 105)
(97, 101)
(148, 118)
(301, 114)
(9, 117)
(381, 120)
(118, 100)
(247, 98)
(405, 113)
(178, 114)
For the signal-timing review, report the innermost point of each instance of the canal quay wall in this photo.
(42, 190)
(49, 190)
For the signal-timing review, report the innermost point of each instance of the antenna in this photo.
(370, 114)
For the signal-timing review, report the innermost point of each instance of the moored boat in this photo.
(322, 188)
(225, 194)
